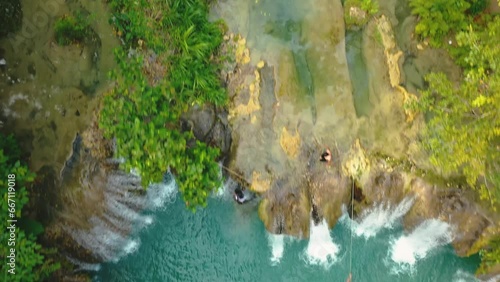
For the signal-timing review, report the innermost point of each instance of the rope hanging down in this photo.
(352, 215)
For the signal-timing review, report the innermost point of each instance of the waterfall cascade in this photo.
(277, 244)
(321, 249)
(408, 249)
(108, 234)
(380, 216)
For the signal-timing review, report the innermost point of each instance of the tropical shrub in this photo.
(30, 264)
(463, 132)
(477, 6)
(490, 256)
(142, 114)
(437, 18)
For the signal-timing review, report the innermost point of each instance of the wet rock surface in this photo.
(270, 142)
(471, 224)
(209, 125)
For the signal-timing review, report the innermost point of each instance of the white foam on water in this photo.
(219, 192)
(160, 194)
(131, 246)
(380, 216)
(407, 250)
(148, 220)
(321, 249)
(109, 236)
(277, 244)
(83, 266)
(462, 276)
(228, 185)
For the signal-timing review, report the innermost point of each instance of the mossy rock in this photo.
(72, 29)
(12, 16)
(358, 12)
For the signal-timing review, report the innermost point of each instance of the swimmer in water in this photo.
(239, 196)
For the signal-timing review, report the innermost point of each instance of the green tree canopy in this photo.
(30, 264)
(463, 132)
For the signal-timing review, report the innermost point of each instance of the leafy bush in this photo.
(477, 6)
(71, 29)
(437, 18)
(144, 116)
(490, 256)
(464, 130)
(30, 263)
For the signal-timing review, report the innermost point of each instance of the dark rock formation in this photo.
(12, 16)
(209, 125)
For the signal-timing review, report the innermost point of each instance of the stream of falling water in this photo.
(113, 231)
(428, 236)
(321, 249)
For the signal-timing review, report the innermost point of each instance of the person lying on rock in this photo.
(326, 156)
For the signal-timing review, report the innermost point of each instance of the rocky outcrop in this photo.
(210, 125)
(472, 224)
(286, 111)
(382, 182)
(280, 108)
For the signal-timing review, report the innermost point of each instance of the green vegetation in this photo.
(464, 129)
(72, 29)
(358, 12)
(12, 16)
(170, 68)
(490, 256)
(30, 263)
(436, 19)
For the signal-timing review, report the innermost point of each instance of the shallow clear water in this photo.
(227, 242)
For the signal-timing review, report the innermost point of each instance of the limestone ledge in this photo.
(392, 56)
(382, 182)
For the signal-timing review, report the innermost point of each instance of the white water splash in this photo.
(408, 249)
(277, 244)
(110, 232)
(148, 220)
(131, 246)
(462, 276)
(380, 216)
(83, 266)
(221, 191)
(161, 193)
(321, 249)
(229, 185)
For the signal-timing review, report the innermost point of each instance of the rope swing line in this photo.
(352, 219)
